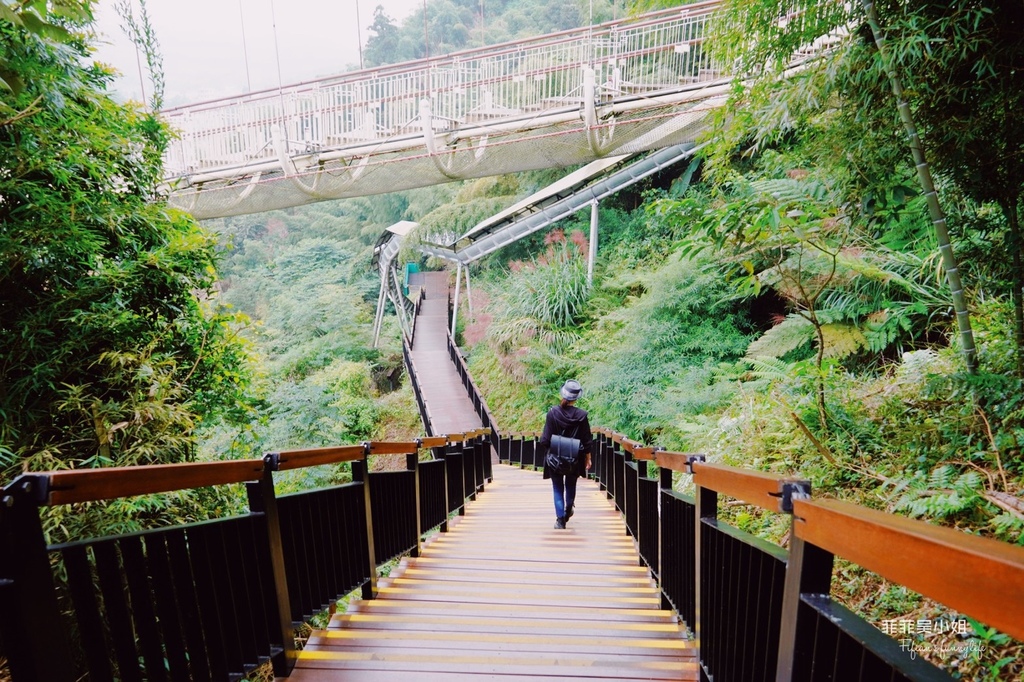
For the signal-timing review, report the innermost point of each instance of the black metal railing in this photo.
(324, 546)
(479, 404)
(212, 600)
(760, 612)
(421, 403)
(520, 449)
(412, 307)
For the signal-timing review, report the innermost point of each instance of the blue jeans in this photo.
(565, 492)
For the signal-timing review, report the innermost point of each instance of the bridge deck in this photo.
(451, 410)
(503, 595)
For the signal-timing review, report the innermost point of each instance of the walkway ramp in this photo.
(504, 595)
(451, 410)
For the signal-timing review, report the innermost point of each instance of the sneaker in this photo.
(560, 522)
(568, 514)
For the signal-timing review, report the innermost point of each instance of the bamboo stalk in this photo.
(924, 176)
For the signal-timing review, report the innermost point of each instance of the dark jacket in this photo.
(572, 422)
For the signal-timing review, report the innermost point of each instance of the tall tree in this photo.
(382, 45)
(112, 349)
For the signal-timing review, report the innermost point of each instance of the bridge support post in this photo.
(378, 319)
(469, 295)
(592, 255)
(455, 305)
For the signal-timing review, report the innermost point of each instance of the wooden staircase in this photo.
(503, 595)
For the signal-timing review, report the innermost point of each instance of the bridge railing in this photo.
(760, 612)
(479, 402)
(656, 51)
(421, 403)
(212, 600)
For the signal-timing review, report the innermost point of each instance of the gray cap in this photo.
(571, 390)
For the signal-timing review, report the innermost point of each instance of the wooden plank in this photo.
(526, 566)
(928, 559)
(484, 625)
(510, 611)
(326, 675)
(507, 584)
(381, 642)
(555, 600)
(90, 485)
(462, 577)
(495, 663)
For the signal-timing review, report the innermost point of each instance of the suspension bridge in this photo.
(554, 101)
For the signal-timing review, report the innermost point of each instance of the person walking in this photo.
(568, 421)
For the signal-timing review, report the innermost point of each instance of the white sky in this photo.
(204, 55)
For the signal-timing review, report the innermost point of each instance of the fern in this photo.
(942, 494)
(790, 191)
(790, 334)
(842, 340)
(768, 369)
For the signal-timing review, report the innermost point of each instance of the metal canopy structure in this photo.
(563, 198)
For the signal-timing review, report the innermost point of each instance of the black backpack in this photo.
(563, 454)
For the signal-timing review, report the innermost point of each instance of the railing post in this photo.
(443, 452)
(262, 499)
(361, 474)
(664, 483)
(34, 635)
(808, 571)
(707, 508)
(469, 463)
(412, 463)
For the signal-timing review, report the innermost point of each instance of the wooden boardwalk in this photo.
(504, 596)
(451, 410)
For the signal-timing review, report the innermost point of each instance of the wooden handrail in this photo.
(297, 459)
(928, 559)
(676, 461)
(90, 485)
(759, 488)
(393, 447)
(643, 452)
